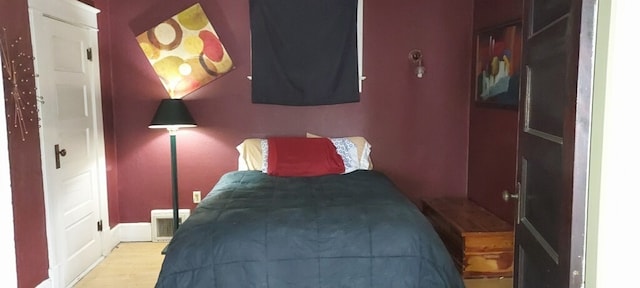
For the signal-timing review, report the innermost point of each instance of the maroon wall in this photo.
(418, 127)
(493, 132)
(107, 110)
(24, 158)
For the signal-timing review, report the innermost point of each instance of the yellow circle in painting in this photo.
(193, 18)
(149, 50)
(168, 67)
(193, 45)
(197, 71)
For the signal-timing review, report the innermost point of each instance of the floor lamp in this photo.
(172, 114)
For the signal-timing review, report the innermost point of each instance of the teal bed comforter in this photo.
(352, 230)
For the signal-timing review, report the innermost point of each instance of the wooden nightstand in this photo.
(480, 243)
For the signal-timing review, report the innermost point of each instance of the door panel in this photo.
(539, 232)
(532, 274)
(66, 48)
(547, 11)
(77, 144)
(541, 188)
(546, 83)
(78, 198)
(69, 120)
(76, 102)
(558, 66)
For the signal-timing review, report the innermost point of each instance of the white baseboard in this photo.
(45, 284)
(113, 240)
(123, 232)
(134, 232)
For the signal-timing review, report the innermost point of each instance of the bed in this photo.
(355, 229)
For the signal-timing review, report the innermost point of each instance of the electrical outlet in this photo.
(196, 197)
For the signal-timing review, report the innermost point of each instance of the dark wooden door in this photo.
(553, 142)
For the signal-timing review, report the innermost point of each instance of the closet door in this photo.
(71, 143)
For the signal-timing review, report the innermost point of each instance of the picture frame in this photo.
(185, 51)
(496, 66)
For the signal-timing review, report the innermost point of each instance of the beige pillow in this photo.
(364, 150)
(250, 154)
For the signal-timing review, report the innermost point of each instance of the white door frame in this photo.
(613, 197)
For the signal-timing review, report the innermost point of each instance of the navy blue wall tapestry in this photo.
(304, 52)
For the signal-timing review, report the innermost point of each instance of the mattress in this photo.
(351, 230)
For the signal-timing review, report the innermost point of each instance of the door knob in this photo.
(59, 153)
(506, 196)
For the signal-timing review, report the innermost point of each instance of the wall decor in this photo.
(18, 74)
(304, 52)
(498, 57)
(185, 51)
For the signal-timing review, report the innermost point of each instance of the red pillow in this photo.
(299, 156)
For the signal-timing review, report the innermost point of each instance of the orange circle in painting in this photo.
(166, 36)
(212, 46)
(186, 85)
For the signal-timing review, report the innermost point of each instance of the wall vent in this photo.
(162, 223)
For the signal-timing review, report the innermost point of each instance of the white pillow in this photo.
(250, 157)
(363, 148)
(264, 146)
(349, 153)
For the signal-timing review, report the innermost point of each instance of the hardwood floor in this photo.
(489, 283)
(136, 265)
(132, 264)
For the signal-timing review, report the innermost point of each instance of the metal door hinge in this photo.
(100, 226)
(89, 54)
(519, 207)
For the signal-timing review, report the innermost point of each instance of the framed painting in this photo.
(185, 51)
(498, 57)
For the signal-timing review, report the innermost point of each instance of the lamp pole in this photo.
(174, 179)
(173, 114)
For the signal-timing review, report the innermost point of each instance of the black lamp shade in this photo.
(172, 114)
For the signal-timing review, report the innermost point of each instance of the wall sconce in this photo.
(415, 56)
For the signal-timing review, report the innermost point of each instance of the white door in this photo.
(71, 144)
